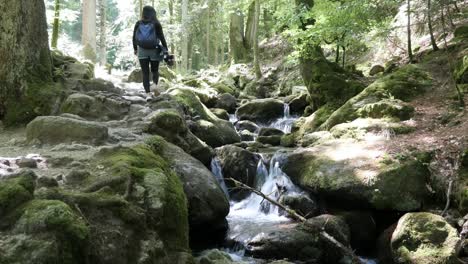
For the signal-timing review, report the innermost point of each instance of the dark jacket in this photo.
(159, 33)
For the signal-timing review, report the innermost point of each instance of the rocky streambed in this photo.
(119, 179)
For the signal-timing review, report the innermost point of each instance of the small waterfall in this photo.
(273, 183)
(285, 123)
(218, 173)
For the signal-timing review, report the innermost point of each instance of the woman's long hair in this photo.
(149, 14)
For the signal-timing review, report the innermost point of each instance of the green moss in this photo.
(403, 84)
(165, 198)
(51, 215)
(16, 191)
(403, 182)
(288, 140)
(462, 190)
(38, 99)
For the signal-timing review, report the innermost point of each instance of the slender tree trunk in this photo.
(337, 58)
(250, 29)
(185, 37)
(152, 3)
(410, 49)
(258, 70)
(456, 6)
(208, 37)
(344, 56)
(141, 8)
(89, 29)
(429, 23)
(56, 26)
(171, 22)
(449, 15)
(103, 36)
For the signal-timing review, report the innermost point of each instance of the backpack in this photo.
(146, 36)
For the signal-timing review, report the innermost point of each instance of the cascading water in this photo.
(285, 123)
(218, 173)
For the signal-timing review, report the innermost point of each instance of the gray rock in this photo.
(376, 69)
(220, 113)
(27, 163)
(301, 203)
(239, 164)
(261, 110)
(76, 176)
(48, 182)
(247, 125)
(55, 130)
(268, 131)
(227, 102)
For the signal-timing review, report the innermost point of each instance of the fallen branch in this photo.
(324, 235)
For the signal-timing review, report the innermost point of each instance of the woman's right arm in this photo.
(135, 46)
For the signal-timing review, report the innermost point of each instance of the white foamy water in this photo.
(218, 173)
(284, 123)
(10, 165)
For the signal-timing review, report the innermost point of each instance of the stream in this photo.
(253, 215)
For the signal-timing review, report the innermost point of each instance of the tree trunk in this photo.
(337, 58)
(55, 28)
(250, 28)
(208, 36)
(171, 22)
(103, 29)
(184, 45)
(410, 49)
(236, 37)
(89, 29)
(344, 57)
(141, 8)
(429, 24)
(258, 70)
(25, 68)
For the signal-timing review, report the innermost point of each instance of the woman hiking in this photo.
(147, 39)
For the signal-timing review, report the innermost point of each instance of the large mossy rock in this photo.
(302, 242)
(16, 190)
(207, 126)
(383, 98)
(55, 130)
(171, 126)
(98, 107)
(46, 231)
(151, 224)
(326, 82)
(261, 110)
(421, 238)
(207, 203)
(239, 164)
(359, 178)
(214, 256)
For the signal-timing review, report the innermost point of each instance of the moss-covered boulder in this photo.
(403, 84)
(98, 107)
(208, 127)
(461, 32)
(55, 130)
(261, 110)
(45, 231)
(247, 125)
(171, 126)
(326, 82)
(164, 72)
(214, 256)
(359, 128)
(239, 164)
(16, 190)
(136, 205)
(220, 113)
(354, 174)
(421, 238)
(207, 203)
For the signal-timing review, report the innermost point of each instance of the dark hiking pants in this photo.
(145, 69)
